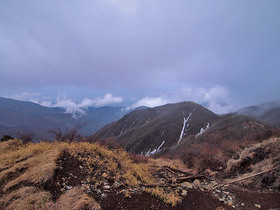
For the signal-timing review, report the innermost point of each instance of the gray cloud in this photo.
(214, 98)
(78, 108)
(140, 48)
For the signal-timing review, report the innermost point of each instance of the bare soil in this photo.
(267, 200)
(194, 200)
(68, 172)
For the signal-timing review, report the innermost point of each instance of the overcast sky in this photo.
(81, 53)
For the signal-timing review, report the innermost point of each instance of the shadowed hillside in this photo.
(144, 131)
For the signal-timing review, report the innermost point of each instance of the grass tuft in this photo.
(168, 197)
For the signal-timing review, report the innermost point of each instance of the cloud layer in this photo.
(146, 50)
(216, 99)
(70, 106)
(77, 109)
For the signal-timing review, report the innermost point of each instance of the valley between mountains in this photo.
(176, 156)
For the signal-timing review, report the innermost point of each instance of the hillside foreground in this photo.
(82, 175)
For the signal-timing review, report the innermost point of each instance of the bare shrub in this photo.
(69, 135)
(26, 137)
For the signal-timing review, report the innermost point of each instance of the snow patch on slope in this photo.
(202, 130)
(183, 129)
(149, 153)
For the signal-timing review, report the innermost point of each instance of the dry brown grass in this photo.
(30, 198)
(26, 168)
(75, 199)
(27, 198)
(10, 145)
(115, 163)
(170, 197)
(37, 170)
(13, 151)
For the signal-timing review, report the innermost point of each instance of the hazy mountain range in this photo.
(141, 130)
(21, 116)
(267, 112)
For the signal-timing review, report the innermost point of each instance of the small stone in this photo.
(222, 199)
(81, 167)
(230, 203)
(179, 188)
(107, 187)
(116, 185)
(187, 185)
(68, 187)
(103, 195)
(104, 175)
(242, 204)
(258, 206)
(89, 192)
(184, 193)
(196, 182)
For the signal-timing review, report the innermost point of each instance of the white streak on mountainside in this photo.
(183, 129)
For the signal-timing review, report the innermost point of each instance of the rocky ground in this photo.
(90, 176)
(195, 191)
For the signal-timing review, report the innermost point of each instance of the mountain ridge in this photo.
(22, 116)
(153, 126)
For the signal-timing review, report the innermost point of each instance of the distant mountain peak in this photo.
(266, 112)
(145, 130)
